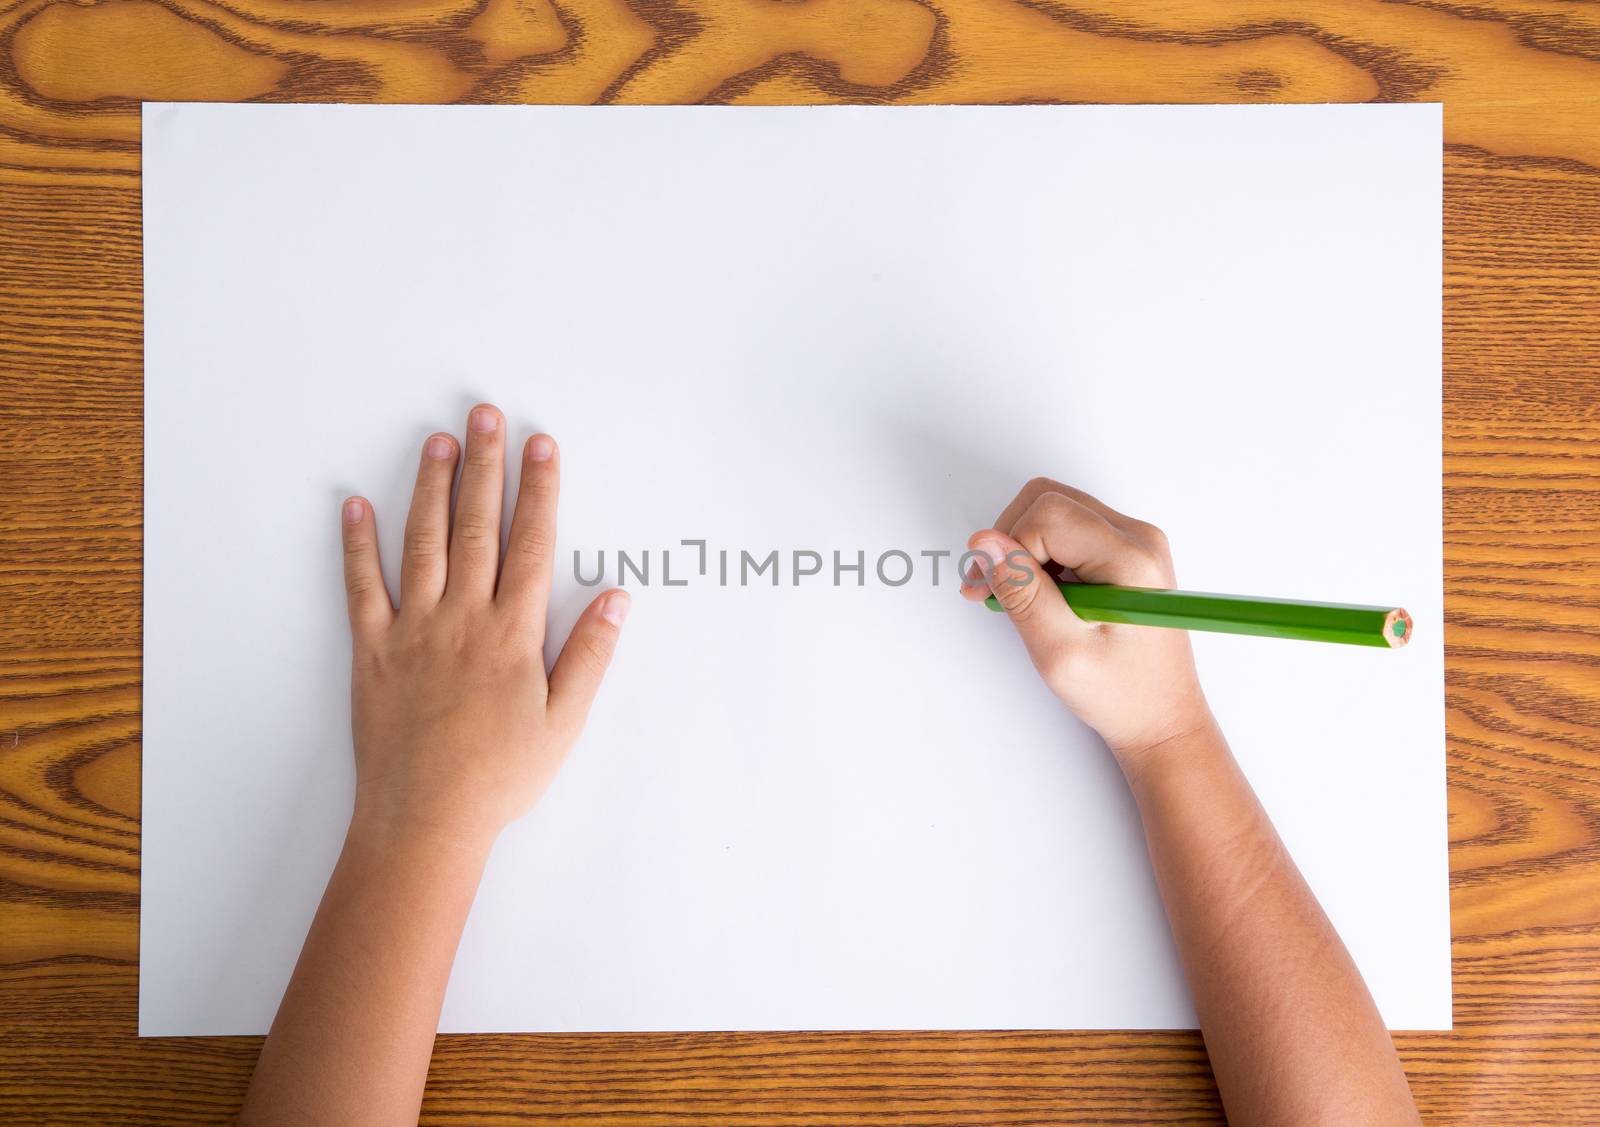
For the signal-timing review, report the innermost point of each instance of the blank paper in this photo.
(798, 330)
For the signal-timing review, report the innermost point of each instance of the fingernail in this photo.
(483, 419)
(354, 510)
(540, 448)
(996, 551)
(615, 609)
(438, 447)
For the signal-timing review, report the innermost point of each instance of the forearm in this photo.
(353, 1035)
(1293, 1035)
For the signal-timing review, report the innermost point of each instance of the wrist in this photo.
(387, 830)
(1173, 743)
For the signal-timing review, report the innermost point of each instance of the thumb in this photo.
(1027, 594)
(584, 659)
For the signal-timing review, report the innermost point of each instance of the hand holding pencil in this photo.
(1122, 574)
(1137, 688)
(1288, 1022)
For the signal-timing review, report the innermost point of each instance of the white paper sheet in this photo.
(796, 807)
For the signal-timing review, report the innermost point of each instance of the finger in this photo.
(1060, 529)
(1057, 529)
(370, 609)
(1039, 486)
(1029, 597)
(974, 587)
(583, 661)
(475, 538)
(1043, 486)
(530, 549)
(422, 570)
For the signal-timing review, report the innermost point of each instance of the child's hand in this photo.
(1134, 685)
(457, 728)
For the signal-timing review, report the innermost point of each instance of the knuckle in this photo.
(1152, 566)
(436, 638)
(1153, 536)
(521, 623)
(1017, 600)
(594, 650)
(1041, 485)
(1056, 508)
(423, 543)
(539, 493)
(433, 483)
(473, 526)
(539, 480)
(535, 544)
(370, 665)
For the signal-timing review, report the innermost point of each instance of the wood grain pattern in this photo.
(1521, 84)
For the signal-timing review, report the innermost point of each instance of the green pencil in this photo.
(1236, 614)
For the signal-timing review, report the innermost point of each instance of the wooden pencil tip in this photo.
(1397, 628)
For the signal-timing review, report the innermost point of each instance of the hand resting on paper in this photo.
(458, 730)
(1293, 1035)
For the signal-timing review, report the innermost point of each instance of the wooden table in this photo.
(1521, 83)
